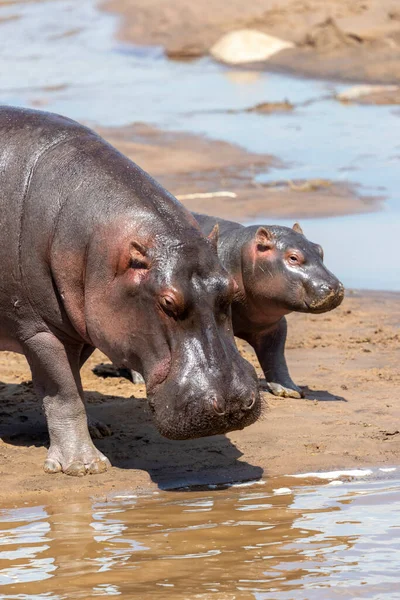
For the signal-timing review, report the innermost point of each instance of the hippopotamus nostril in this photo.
(249, 402)
(218, 405)
(327, 288)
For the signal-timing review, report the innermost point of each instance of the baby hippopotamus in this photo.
(277, 271)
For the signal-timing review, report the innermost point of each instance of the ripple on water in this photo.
(316, 541)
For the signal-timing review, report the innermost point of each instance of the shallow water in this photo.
(63, 56)
(258, 541)
(304, 542)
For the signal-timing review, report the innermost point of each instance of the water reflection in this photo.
(314, 541)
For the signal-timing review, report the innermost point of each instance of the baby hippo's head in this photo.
(281, 267)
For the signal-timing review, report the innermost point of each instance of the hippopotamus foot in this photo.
(105, 370)
(76, 461)
(97, 429)
(270, 350)
(137, 377)
(284, 392)
(55, 375)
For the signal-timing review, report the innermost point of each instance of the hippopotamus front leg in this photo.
(55, 375)
(270, 350)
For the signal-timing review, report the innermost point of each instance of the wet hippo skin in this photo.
(277, 270)
(95, 254)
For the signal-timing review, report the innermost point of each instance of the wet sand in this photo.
(348, 359)
(187, 164)
(346, 39)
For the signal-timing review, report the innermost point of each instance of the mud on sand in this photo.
(351, 39)
(185, 163)
(349, 359)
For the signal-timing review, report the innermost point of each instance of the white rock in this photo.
(282, 491)
(358, 91)
(247, 45)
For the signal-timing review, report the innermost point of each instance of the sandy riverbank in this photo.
(185, 164)
(348, 358)
(348, 39)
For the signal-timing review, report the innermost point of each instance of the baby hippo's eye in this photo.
(294, 258)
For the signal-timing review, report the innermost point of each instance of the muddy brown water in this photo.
(276, 539)
(259, 540)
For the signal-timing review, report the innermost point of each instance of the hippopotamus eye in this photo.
(170, 305)
(294, 258)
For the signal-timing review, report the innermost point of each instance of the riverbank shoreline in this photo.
(348, 359)
(199, 170)
(351, 41)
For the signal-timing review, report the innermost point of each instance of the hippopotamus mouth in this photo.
(332, 299)
(201, 421)
(188, 416)
(157, 378)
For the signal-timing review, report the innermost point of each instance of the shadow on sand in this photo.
(135, 443)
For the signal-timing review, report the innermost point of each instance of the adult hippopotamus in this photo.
(277, 270)
(95, 254)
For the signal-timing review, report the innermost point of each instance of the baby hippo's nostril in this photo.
(218, 405)
(249, 402)
(326, 288)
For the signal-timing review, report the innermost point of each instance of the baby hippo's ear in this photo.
(263, 239)
(138, 256)
(214, 235)
(296, 227)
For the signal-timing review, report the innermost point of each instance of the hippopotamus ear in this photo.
(263, 239)
(296, 227)
(213, 235)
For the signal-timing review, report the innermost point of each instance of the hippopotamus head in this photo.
(161, 305)
(281, 266)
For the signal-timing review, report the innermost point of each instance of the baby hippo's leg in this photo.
(270, 350)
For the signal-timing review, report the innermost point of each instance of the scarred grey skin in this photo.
(277, 271)
(95, 254)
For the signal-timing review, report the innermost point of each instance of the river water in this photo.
(261, 540)
(303, 541)
(63, 56)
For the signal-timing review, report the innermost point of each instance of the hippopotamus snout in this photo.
(220, 407)
(324, 295)
(185, 409)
